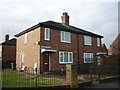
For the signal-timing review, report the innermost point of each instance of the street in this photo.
(112, 84)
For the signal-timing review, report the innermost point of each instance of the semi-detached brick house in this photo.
(50, 45)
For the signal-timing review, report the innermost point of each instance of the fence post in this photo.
(71, 75)
(98, 73)
(90, 73)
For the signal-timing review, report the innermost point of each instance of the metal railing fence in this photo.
(32, 78)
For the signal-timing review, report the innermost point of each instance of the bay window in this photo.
(65, 57)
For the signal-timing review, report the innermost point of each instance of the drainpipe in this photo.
(40, 61)
(40, 51)
(78, 49)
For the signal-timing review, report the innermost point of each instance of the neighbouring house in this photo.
(115, 47)
(104, 49)
(104, 55)
(8, 52)
(49, 45)
(109, 51)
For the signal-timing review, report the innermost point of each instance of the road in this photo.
(112, 84)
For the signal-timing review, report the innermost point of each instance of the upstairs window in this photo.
(65, 37)
(88, 57)
(65, 57)
(87, 40)
(47, 34)
(25, 40)
(98, 42)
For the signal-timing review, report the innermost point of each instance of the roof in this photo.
(116, 41)
(11, 42)
(115, 46)
(59, 26)
(103, 45)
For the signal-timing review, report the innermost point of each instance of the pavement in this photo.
(111, 84)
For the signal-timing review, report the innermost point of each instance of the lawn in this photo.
(15, 79)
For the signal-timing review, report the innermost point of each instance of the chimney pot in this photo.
(6, 37)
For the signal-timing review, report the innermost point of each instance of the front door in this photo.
(45, 62)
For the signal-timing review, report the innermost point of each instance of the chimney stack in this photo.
(6, 37)
(65, 18)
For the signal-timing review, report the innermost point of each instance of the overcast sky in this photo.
(97, 17)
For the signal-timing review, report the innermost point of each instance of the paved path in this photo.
(112, 84)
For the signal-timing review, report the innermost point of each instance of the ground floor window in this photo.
(65, 57)
(88, 57)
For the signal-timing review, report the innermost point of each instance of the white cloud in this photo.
(101, 18)
(22, 10)
(110, 32)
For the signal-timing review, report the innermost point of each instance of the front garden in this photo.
(15, 79)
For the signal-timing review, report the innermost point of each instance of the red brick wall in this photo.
(59, 46)
(70, 47)
(86, 48)
(8, 52)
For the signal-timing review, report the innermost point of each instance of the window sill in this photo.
(65, 62)
(46, 40)
(65, 42)
(98, 46)
(89, 62)
(87, 45)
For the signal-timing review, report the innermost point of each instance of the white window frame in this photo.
(63, 37)
(69, 62)
(25, 40)
(91, 57)
(87, 40)
(98, 42)
(45, 34)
